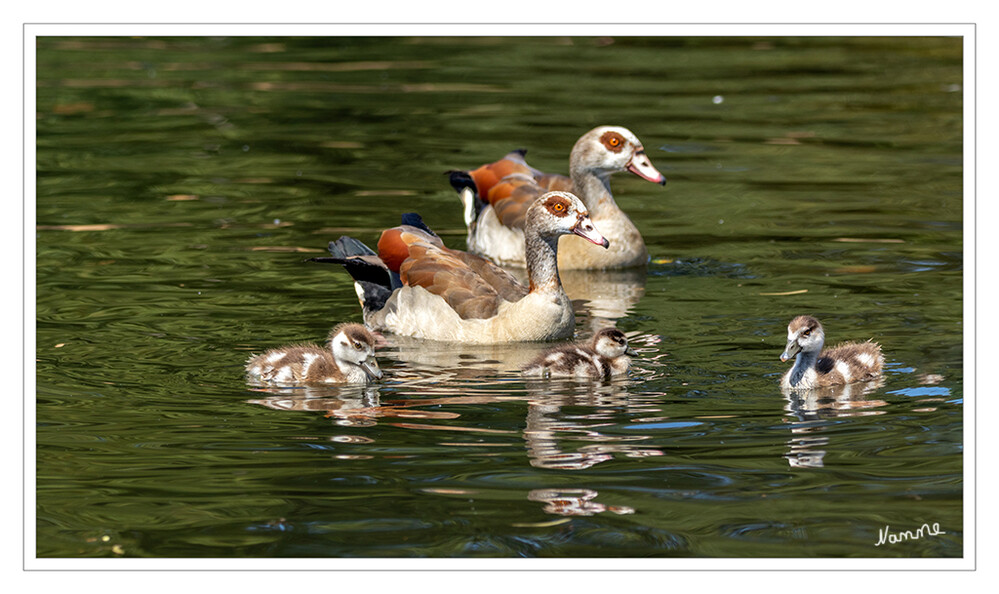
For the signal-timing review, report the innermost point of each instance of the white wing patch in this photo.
(844, 369)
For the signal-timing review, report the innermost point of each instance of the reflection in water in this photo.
(431, 364)
(349, 407)
(606, 295)
(434, 362)
(597, 409)
(812, 407)
(548, 426)
(600, 297)
(574, 502)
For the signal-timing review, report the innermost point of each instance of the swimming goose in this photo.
(350, 359)
(415, 286)
(815, 368)
(603, 356)
(496, 197)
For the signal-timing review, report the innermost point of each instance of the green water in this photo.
(182, 182)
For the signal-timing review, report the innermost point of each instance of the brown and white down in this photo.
(349, 359)
(814, 368)
(603, 356)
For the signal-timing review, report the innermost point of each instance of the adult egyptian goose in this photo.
(415, 286)
(603, 356)
(350, 359)
(815, 368)
(496, 197)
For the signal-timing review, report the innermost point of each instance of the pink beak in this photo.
(585, 229)
(643, 168)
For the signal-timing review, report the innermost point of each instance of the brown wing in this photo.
(490, 174)
(510, 185)
(394, 244)
(511, 198)
(508, 287)
(443, 272)
(553, 182)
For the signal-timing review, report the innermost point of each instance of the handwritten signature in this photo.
(886, 536)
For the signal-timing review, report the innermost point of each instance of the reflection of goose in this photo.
(415, 286)
(497, 196)
(815, 368)
(475, 363)
(600, 296)
(603, 356)
(350, 359)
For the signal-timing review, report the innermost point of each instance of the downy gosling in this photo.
(814, 368)
(349, 359)
(603, 356)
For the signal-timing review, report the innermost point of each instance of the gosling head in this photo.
(611, 343)
(804, 334)
(352, 344)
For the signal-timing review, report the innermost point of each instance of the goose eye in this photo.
(558, 207)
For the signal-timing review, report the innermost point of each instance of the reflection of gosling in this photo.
(350, 359)
(604, 356)
(815, 368)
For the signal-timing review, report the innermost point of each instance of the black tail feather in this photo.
(414, 220)
(346, 247)
(461, 180)
(361, 262)
(374, 296)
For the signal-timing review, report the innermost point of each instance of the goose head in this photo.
(562, 213)
(353, 345)
(608, 149)
(611, 343)
(804, 335)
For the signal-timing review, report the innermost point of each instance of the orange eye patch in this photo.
(557, 206)
(613, 141)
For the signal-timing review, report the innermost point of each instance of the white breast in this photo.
(414, 311)
(503, 245)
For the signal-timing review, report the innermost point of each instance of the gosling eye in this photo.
(806, 333)
(358, 346)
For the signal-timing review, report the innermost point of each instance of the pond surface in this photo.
(183, 182)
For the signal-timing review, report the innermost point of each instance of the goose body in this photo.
(349, 359)
(815, 368)
(416, 286)
(496, 197)
(602, 357)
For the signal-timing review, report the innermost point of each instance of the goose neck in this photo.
(542, 261)
(803, 361)
(593, 189)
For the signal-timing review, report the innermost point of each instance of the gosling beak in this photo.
(792, 349)
(631, 352)
(643, 168)
(585, 229)
(370, 367)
